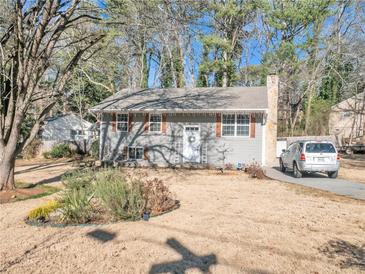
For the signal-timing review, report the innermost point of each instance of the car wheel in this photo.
(332, 174)
(282, 167)
(297, 173)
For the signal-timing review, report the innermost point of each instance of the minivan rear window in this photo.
(320, 148)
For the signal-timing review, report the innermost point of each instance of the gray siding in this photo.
(166, 149)
(60, 128)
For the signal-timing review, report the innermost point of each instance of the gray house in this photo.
(66, 128)
(198, 126)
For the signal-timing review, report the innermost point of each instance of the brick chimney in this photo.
(271, 129)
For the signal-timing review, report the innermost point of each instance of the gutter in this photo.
(258, 110)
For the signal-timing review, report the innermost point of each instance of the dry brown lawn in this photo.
(353, 169)
(226, 224)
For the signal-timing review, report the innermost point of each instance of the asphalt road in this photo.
(322, 182)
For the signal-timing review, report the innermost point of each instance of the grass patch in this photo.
(21, 184)
(39, 191)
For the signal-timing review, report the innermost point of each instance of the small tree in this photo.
(31, 43)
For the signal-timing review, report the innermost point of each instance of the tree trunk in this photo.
(7, 181)
(225, 72)
(308, 110)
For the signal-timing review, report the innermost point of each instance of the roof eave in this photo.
(178, 110)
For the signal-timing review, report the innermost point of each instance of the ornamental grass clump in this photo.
(121, 195)
(76, 199)
(76, 206)
(79, 179)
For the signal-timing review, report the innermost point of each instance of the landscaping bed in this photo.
(105, 196)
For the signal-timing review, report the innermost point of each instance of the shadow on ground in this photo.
(189, 260)
(38, 167)
(348, 254)
(305, 175)
(101, 235)
(50, 180)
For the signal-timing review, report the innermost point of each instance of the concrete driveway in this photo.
(320, 181)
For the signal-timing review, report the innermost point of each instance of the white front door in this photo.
(191, 143)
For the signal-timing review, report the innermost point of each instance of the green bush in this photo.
(75, 201)
(42, 212)
(75, 205)
(123, 197)
(60, 151)
(78, 179)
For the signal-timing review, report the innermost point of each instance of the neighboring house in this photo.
(347, 119)
(191, 126)
(66, 128)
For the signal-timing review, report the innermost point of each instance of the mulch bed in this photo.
(19, 193)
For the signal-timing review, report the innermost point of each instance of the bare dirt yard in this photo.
(226, 224)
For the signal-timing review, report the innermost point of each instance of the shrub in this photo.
(78, 179)
(122, 197)
(32, 149)
(255, 171)
(46, 155)
(75, 201)
(60, 151)
(75, 205)
(158, 197)
(42, 212)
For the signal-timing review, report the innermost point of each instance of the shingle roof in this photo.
(188, 99)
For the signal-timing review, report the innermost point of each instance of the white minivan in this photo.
(310, 156)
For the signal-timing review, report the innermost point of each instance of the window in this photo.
(228, 125)
(80, 132)
(236, 125)
(122, 122)
(243, 125)
(155, 122)
(320, 148)
(135, 153)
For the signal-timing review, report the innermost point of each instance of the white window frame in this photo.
(248, 125)
(149, 123)
(118, 122)
(135, 153)
(235, 125)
